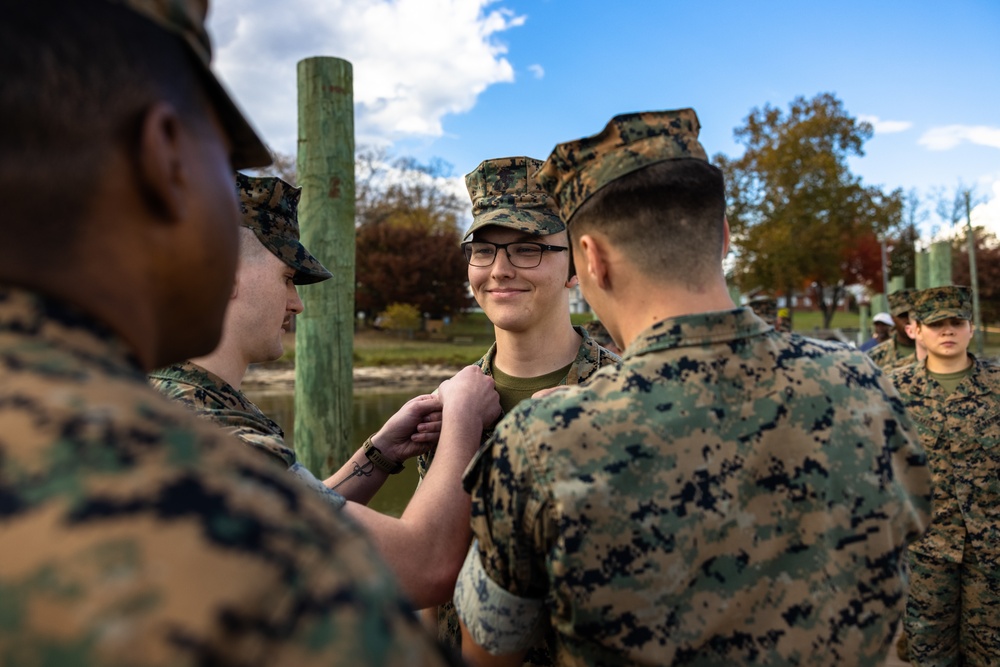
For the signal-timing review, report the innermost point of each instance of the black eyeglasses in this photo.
(523, 254)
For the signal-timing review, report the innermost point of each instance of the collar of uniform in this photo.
(589, 358)
(697, 330)
(192, 374)
(48, 320)
(978, 383)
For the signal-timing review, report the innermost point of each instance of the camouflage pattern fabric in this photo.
(726, 495)
(886, 355)
(214, 399)
(960, 431)
(766, 308)
(577, 169)
(940, 303)
(186, 20)
(133, 533)
(590, 359)
(270, 208)
(899, 302)
(505, 193)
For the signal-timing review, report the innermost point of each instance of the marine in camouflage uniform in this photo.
(899, 351)
(506, 196)
(953, 612)
(725, 495)
(268, 207)
(131, 532)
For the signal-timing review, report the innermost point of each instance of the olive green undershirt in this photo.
(513, 390)
(950, 381)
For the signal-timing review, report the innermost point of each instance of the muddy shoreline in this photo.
(280, 379)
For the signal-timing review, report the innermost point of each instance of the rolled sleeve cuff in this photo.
(498, 621)
(329, 495)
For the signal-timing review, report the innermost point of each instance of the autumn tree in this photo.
(799, 217)
(407, 233)
(408, 237)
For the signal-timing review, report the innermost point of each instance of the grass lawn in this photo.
(468, 336)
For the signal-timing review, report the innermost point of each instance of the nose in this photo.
(501, 264)
(294, 304)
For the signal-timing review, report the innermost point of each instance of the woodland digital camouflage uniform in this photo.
(726, 495)
(718, 469)
(211, 397)
(590, 359)
(890, 354)
(960, 432)
(134, 534)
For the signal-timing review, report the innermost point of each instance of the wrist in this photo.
(380, 460)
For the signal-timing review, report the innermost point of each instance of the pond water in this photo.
(371, 410)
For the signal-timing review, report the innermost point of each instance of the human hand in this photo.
(470, 392)
(413, 430)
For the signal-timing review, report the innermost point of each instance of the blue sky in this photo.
(466, 80)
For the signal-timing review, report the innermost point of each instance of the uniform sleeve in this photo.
(501, 590)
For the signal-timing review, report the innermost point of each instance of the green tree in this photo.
(400, 317)
(795, 210)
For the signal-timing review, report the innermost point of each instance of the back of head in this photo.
(646, 184)
(78, 77)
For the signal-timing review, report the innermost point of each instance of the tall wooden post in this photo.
(977, 319)
(324, 335)
(940, 264)
(864, 317)
(922, 269)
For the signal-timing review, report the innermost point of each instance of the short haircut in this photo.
(251, 248)
(669, 218)
(77, 80)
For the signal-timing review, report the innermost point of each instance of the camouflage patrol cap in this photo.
(186, 20)
(270, 209)
(577, 169)
(505, 193)
(899, 302)
(939, 303)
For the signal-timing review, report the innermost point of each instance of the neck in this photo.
(947, 365)
(228, 366)
(651, 303)
(537, 351)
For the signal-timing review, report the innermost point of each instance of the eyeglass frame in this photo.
(543, 247)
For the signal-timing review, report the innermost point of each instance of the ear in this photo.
(725, 236)
(593, 260)
(160, 164)
(572, 282)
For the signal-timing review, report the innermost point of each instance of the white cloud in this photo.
(537, 70)
(414, 61)
(948, 136)
(987, 214)
(886, 126)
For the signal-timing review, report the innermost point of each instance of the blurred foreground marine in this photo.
(953, 611)
(131, 533)
(900, 350)
(727, 495)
